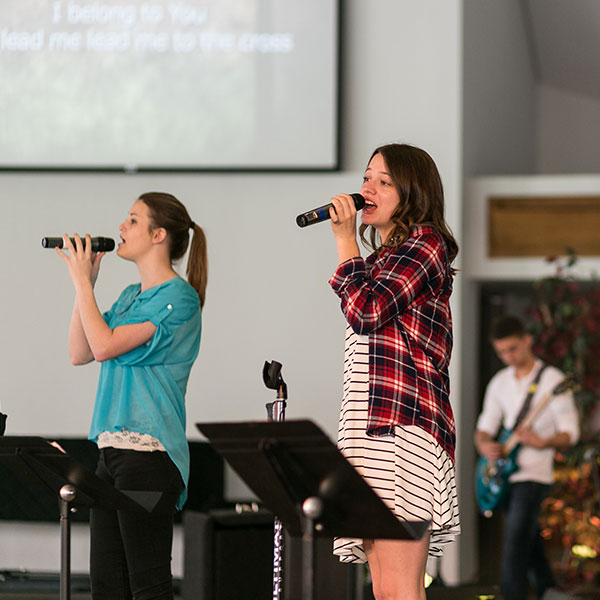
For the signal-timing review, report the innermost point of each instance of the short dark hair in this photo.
(506, 326)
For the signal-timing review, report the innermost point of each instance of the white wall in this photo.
(268, 296)
(499, 92)
(568, 131)
(513, 125)
(499, 104)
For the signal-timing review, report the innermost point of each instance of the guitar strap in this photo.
(530, 392)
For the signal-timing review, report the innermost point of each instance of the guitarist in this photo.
(555, 427)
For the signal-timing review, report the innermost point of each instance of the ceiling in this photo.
(565, 43)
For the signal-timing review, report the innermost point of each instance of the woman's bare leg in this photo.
(398, 568)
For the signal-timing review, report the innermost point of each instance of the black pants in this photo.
(523, 557)
(130, 555)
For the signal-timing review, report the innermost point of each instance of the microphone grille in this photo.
(108, 244)
(359, 200)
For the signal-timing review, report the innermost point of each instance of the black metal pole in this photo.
(67, 495)
(312, 509)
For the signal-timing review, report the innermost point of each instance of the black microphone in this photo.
(99, 244)
(316, 215)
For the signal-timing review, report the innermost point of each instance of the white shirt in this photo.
(503, 400)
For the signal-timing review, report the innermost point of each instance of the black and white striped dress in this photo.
(409, 470)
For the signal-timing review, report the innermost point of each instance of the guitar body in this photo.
(491, 482)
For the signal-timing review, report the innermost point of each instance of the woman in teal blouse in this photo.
(147, 343)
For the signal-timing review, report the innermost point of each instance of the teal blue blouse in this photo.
(144, 389)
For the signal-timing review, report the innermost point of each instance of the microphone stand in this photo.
(276, 412)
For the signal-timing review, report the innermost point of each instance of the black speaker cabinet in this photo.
(229, 556)
(333, 579)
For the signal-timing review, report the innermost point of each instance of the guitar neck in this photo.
(530, 417)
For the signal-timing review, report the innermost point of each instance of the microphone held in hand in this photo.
(322, 213)
(99, 244)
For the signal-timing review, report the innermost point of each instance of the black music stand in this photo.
(302, 477)
(43, 465)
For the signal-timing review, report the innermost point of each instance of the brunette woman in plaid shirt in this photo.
(396, 423)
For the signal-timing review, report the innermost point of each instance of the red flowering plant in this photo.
(565, 323)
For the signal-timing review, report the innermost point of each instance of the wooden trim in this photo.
(543, 225)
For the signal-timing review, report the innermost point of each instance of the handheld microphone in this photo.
(99, 244)
(316, 215)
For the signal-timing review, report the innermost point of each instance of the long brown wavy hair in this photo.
(168, 212)
(419, 185)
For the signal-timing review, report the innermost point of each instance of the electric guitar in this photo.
(491, 483)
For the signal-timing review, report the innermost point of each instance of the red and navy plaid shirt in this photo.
(400, 299)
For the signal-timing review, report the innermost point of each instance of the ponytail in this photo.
(197, 265)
